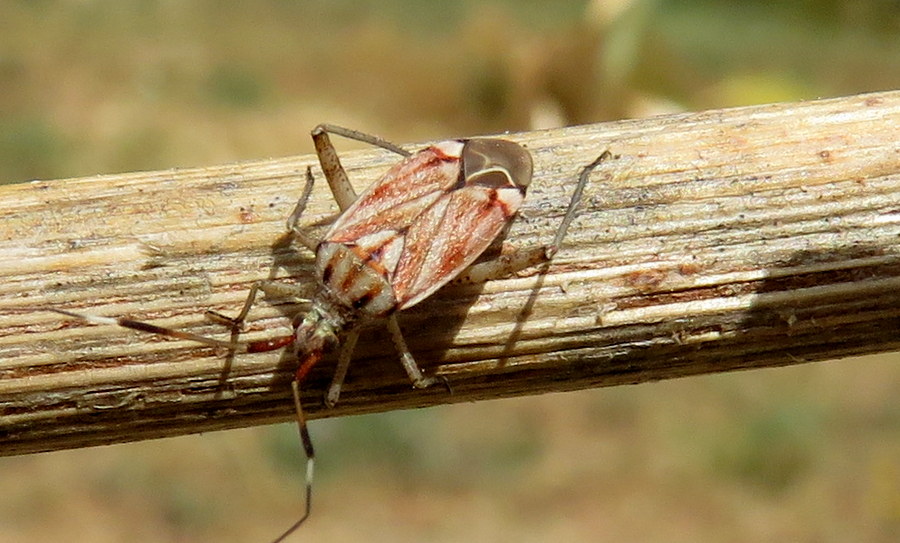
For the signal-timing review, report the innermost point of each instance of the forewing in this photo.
(449, 236)
(395, 201)
(424, 222)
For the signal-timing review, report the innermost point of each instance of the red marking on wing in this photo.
(443, 227)
(450, 236)
(395, 200)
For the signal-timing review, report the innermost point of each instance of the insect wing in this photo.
(393, 202)
(434, 213)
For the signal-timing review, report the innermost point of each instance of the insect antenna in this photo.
(150, 328)
(257, 346)
(235, 323)
(306, 441)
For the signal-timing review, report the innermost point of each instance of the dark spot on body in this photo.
(363, 300)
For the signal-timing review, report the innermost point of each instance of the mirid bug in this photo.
(414, 230)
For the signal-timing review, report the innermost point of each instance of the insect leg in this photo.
(337, 179)
(359, 136)
(293, 221)
(236, 322)
(406, 357)
(340, 372)
(272, 289)
(583, 178)
(334, 172)
(502, 266)
(508, 264)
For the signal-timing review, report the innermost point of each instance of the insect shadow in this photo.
(375, 357)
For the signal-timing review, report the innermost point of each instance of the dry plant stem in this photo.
(742, 238)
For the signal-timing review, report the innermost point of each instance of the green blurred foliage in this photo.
(771, 450)
(30, 148)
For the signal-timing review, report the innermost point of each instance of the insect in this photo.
(414, 230)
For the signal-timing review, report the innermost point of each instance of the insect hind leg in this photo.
(572, 209)
(322, 130)
(502, 266)
(341, 189)
(505, 265)
(334, 172)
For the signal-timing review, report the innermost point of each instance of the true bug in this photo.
(420, 226)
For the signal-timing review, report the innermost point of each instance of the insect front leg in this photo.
(340, 371)
(415, 374)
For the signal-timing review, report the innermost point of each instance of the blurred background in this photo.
(809, 453)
